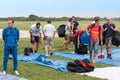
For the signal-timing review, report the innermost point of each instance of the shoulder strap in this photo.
(99, 31)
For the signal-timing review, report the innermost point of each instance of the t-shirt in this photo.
(49, 30)
(94, 32)
(68, 26)
(109, 32)
(75, 25)
(79, 32)
(35, 31)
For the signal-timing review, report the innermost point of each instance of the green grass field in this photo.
(25, 25)
(37, 72)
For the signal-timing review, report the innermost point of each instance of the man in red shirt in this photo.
(95, 31)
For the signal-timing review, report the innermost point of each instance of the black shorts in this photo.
(36, 40)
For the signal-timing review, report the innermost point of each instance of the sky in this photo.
(59, 8)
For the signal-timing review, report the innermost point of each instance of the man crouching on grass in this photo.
(35, 34)
(49, 34)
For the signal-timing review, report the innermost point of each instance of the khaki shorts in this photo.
(108, 42)
(66, 37)
(49, 41)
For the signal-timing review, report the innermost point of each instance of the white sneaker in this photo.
(16, 72)
(93, 61)
(47, 55)
(4, 72)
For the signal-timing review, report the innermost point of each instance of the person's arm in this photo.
(101, 35)
(40, 34)
(18, 35)
(54, 33)
(88, 29)
(104, 27)
(40, 38)
(78, 42)
(30, 31)
(4, 35)
(44, 31)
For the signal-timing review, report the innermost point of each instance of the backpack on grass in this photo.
(27, 51)
(80, 66)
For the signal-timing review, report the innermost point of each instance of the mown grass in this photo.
(25, 25)
(37, 72)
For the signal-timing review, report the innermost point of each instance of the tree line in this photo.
(33, 17)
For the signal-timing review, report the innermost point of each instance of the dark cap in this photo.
(96, 18)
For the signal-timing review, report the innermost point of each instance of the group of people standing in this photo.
(95, 30)
(10, 36)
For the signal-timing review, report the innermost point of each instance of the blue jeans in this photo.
(94, 46)
(7, 50)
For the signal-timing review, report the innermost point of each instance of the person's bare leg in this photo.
(37, 46)
(94, 57)
(33, 47)
(66, 43)
(49, 50)
(46, 50)
(91, 59)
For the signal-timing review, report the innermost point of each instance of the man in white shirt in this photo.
(35, 34)
(49, 34)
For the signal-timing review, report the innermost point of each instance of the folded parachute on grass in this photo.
(41, 59)
(114, 61)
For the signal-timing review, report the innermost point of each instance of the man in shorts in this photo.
(35, 34)
(49, 34)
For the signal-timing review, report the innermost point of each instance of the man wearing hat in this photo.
(95, 32)
(109, 29)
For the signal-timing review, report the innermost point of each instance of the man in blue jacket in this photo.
(10, 36)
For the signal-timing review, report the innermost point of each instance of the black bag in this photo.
(116, 38)
(27, 51)
(61, 30)
(83, 49)
(80, 66)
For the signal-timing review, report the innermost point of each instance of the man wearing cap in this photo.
(109, 29)
(95, 32)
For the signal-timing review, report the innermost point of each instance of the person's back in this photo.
(49, 34)
(49, 30)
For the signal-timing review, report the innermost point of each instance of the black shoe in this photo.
(109, 56)
(35, 51)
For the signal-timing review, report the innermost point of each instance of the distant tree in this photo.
(33, 17)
